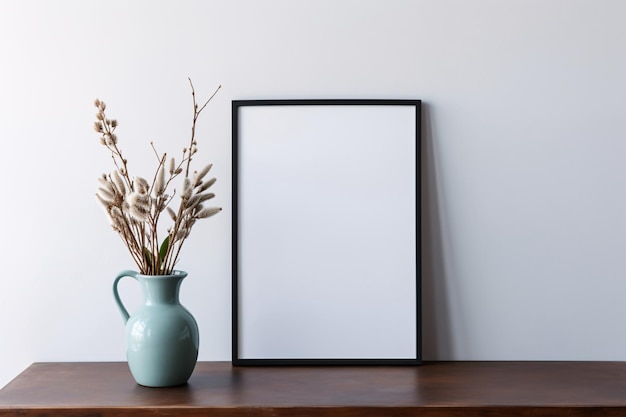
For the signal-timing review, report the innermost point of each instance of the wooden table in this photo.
(219, 389)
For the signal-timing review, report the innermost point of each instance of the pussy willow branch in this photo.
(181, 209)
(135, 215)
(196, 113)
(176, 244)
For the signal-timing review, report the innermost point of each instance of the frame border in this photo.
(236, 360)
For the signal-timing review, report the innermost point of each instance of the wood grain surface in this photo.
(219, 389)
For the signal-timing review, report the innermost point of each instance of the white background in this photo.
(524, 157)
(327, 265)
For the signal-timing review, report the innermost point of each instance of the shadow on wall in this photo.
(437, 334)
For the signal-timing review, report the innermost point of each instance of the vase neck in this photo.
(160, 289)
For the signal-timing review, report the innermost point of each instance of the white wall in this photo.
(524, 151)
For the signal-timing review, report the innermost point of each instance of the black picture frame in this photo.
(307, 187)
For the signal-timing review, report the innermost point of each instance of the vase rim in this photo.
(175, 274)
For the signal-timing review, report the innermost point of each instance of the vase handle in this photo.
(116, 295)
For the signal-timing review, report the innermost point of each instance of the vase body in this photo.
(162, 336)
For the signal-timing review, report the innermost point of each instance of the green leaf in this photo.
(164, 248)
(148, 257)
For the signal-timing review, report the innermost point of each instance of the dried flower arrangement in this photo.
(134, 205)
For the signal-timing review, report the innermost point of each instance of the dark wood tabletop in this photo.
(219, 389)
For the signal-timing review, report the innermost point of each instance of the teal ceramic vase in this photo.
(162, 336)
